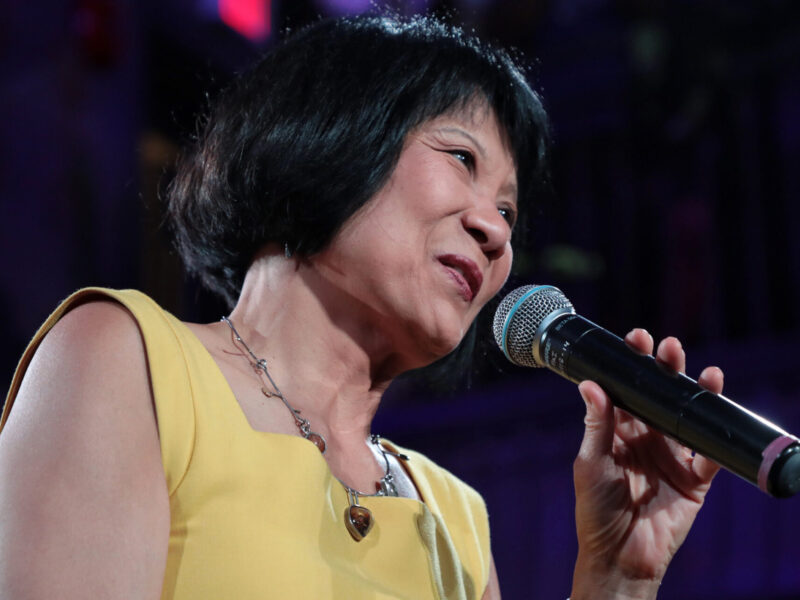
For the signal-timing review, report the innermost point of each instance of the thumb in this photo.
(598, 435)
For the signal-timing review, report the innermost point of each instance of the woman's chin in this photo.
(442, 344)
(424, 341)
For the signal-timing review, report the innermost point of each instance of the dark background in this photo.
(676, 174)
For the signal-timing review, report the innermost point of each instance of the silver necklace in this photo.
(358, 519)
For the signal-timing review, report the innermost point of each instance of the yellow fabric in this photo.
(258, 515)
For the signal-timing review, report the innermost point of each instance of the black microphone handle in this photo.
(710, 424)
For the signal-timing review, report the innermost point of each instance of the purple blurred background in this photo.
(677, 177)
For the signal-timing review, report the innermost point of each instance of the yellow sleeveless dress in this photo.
(259, 515)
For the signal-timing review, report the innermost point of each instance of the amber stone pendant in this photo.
(317, 440)
(358, 521)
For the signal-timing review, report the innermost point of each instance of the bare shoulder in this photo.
(83, 503)
(93, 352)
(492, 591)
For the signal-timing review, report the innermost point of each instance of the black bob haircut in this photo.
(295, 146)
(298, 144)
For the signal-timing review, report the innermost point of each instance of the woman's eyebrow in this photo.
(469, 136)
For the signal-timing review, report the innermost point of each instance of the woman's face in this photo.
(433, 245)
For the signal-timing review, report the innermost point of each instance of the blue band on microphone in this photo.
(514, 308)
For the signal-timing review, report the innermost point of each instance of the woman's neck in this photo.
(324, 351)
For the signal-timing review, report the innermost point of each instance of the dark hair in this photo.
(295, 146)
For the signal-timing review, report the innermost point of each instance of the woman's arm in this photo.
(84, 511)
(493, 587)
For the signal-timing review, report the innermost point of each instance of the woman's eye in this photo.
(509, 214)
(465, 157)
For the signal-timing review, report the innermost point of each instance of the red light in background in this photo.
(251, 18)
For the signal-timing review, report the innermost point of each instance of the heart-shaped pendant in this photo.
(317, 440)
(358, 521)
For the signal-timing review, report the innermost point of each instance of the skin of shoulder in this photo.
(493, 587)
(84, 511)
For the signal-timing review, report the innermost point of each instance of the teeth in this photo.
(460, 271)
(458, 268)
(463, 274)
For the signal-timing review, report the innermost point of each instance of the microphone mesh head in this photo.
(519, 316)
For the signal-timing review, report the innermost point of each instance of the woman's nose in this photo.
(487, 227)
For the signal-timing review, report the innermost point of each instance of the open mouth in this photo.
(465, 272)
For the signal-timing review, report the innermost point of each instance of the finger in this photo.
(712, 379)
(626, 426)
(640, 340)
(622, 416)
(598, 435)
(704, 468)
(670, 353)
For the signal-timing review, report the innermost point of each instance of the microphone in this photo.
(536, 326)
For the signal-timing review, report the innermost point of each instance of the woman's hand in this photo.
(637, 492)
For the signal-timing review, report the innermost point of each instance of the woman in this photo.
(353, 197)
